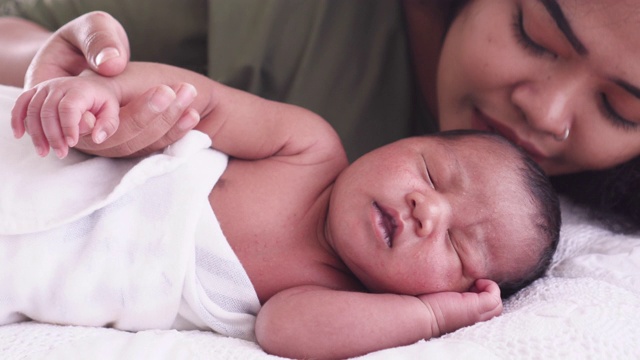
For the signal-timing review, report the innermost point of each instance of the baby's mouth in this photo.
(386, 223)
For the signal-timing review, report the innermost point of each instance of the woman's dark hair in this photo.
(545, 199)
(612, 195)
(451, 8)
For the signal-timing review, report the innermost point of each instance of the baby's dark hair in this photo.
(544, 198)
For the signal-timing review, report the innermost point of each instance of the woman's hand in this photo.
(98, 42)
(93, 41)
(149, 123)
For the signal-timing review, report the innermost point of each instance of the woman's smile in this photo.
(481, 121)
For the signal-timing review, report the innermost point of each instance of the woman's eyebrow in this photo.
(563, 24)
(554, 9)
(634, 90)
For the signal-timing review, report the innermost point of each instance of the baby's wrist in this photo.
(428, 317)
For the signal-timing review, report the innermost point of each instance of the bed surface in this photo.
(588, 306)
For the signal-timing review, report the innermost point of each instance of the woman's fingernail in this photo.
(186, 94)
(161, 99)
(106, 54)
(189, 121)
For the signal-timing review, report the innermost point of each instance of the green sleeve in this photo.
(345, 60)
(170, 31)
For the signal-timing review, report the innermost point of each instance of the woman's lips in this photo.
(386, 225)
(481, 121)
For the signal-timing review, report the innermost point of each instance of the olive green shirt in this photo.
(347, 60)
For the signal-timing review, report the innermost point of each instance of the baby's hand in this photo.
(451, 310)
(56, 112)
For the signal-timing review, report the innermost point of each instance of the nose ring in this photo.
(565, 135)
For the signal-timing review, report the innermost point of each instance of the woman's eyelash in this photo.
(617, 120)
(523, 38)
(527, 43)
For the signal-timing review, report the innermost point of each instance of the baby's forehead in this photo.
(487, 143)
(498, 194)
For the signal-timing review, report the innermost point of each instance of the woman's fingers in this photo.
(93, 41)
(148, 123)
(102, 40)
(187, 122)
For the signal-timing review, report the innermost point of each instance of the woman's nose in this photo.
(548, 106)
(431, 212)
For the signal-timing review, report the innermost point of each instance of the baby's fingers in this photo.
(81, 113)
(51, 118)
(486, 285)
(87, 123)
(33, 123)
(72, 109)
(489, 301)
(19, 113)
(106, 122)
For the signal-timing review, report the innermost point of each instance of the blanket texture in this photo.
(586, 307)
(126, 243)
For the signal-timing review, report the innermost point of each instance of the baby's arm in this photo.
(239, 124)
(315, 322)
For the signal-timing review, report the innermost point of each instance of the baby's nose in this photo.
(431, 212)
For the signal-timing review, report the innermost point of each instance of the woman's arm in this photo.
(93, 41)
(316, 322)
(21, 40)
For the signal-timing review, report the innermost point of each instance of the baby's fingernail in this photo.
(60, 153)
(161, 99)
(100, 137)
(186, 94)
(41, 151)
(70, 141)
(106, 54)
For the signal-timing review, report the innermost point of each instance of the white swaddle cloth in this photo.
(128, 243)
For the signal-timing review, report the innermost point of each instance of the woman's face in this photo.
(533, 69)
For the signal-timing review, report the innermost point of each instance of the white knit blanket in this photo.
(587, 306)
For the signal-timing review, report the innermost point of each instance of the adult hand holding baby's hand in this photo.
(96, 41)
(452, 310)
(149, 123)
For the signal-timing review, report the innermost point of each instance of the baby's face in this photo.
(425, 215)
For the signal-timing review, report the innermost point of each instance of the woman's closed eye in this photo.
(612, 115)
(608, 111)
(525, 40)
